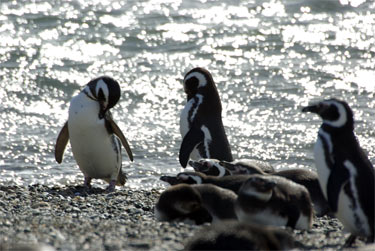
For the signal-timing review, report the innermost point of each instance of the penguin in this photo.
(274, 200)
(233, 235)
(345, 173)
(201, 126)
(182, 200)
(310, 180)
(304, 177)
(231, 182)
(247, 166)
(209, 167)
(94, 137)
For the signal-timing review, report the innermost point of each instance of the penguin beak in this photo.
(102, 109)
(318, 108)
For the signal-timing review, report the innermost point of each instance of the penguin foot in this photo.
(349, 242)
(111, 187)
(87, 183)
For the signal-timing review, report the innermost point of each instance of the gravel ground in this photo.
(68, 218)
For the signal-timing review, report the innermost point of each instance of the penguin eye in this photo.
(191, 85)
(331, 113)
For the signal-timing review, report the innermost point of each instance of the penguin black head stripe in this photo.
(198, 80)
(334, 112)
(106, 91)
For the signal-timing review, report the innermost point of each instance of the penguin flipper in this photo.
(61, 142)
(117, 131)
(191, 139)
(337, 178)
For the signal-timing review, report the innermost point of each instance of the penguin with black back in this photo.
(94, 136)
(201, 123)
(346, 175)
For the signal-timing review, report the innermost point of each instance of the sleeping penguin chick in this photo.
(182, 200)
(233, 235)
(273, 200)
(94, 136)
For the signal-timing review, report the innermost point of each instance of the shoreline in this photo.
(66, 218)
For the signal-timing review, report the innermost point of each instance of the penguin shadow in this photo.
(72, 191)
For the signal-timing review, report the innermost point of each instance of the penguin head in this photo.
(198, 80)
(240, 167)
(209, 167)
(176, 202)
(183, 178)
(335, 113)
(106, 91)
(190, 177)
(258, 186)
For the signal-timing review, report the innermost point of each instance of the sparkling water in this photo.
(268, 59)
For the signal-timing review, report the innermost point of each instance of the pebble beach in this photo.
(39, 217)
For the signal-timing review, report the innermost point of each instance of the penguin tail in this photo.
(121, 178)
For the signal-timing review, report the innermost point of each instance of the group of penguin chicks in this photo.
(248, 197)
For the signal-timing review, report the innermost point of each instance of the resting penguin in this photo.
(231, 182)
(209, 167)
(247, 166)
(221, 168)
(345, 173)
(182, 200)
(310, 180)
(273, 200)
(94, 137)
(304, 177)
(201, 124)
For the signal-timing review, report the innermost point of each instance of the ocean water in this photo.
(268, 59)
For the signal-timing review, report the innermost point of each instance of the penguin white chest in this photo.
(93, 148)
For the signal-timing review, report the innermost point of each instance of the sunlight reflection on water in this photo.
(268, 59)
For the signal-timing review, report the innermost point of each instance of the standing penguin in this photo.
(345, 173)
(201, 124)
(94, 136)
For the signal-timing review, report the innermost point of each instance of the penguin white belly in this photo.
(349, 212)
(321, 165)
(91, 144)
